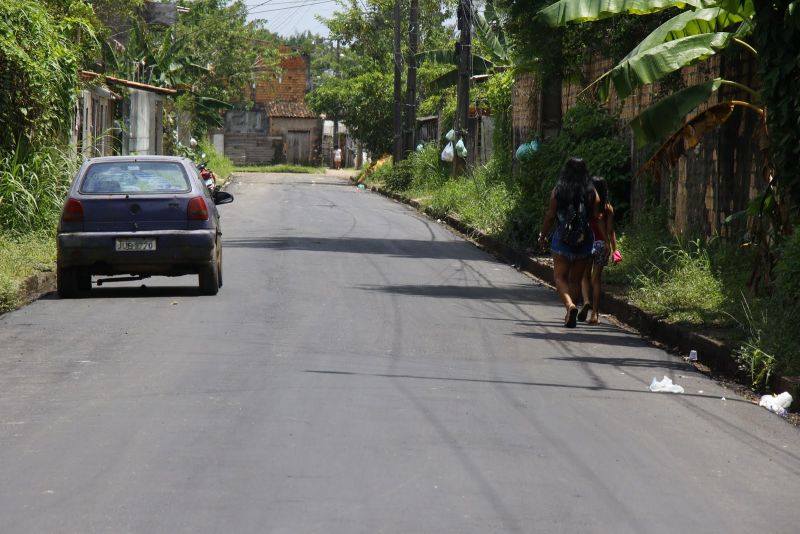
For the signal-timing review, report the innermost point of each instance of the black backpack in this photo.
(574, 226)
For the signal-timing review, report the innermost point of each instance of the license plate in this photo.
(135, 244)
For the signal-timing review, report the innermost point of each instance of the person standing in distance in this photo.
(337, 158)
(573, 203)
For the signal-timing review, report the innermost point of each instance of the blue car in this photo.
(139, 216)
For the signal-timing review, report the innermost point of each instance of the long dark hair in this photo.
(574, 185)
(601, 186)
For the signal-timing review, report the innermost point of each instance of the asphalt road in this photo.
(364, 370)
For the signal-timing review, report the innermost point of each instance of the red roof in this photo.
(291, 110)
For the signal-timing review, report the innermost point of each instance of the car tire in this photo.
(84, 281)
(208, 279)
(67, 282)
(219, 267)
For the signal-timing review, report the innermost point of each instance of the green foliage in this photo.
(757, 364)
(787, 270)
(22, 255)
(363, 102)
(777, 36)
(399, 177)
(637, 241)
(681, 286)
(498, 94)
(299, 169)
(39, 63)
(33, 184)
(588, 132)
(221, 165)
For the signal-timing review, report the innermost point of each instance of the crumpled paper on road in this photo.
(778, 404)
(665, 384)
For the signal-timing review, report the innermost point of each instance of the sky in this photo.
(287, 17)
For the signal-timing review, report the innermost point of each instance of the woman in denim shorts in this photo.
(573, 193)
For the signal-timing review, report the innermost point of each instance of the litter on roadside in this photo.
(778, 404)
(666, 385)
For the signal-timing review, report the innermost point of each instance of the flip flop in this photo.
(572, 320)
(584, 312)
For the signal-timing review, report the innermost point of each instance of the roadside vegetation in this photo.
(300, 169)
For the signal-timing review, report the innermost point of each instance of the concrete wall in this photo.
(143, 119)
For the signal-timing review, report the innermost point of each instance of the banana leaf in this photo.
(687, 23)
(665, 116)
(566, 11)
(660, 60)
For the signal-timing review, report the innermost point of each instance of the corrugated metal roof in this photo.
(291, 110)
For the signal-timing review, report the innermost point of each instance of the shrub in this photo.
(588, 132)
(33, 184)
(399, 177)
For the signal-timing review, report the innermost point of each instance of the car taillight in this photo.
(73, 211)
(197, 210)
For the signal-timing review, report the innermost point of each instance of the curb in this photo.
(713, 354)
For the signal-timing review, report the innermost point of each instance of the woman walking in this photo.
(573, 203)
(605, 243)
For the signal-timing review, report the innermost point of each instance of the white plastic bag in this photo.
(448, 153)
(665, 384)
(451, 135)
(461, 149)
(777, 404)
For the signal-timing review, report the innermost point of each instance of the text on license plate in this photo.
(135, 244)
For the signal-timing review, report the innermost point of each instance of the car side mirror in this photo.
(222, 197)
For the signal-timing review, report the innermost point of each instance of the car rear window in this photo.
(139, 177)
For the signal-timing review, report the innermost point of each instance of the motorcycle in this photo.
(207, 175)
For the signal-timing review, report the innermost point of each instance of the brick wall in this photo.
(709, 183)
(287, 85)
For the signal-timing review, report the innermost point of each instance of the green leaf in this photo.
(448, 79)
(667, 115)
(566, 11)
(688, 23)
(658, 61)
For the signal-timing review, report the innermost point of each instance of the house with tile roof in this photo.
(276, 126)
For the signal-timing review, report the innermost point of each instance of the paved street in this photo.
(364, 370)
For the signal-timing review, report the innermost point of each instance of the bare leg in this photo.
(561, 270)
(576, 274)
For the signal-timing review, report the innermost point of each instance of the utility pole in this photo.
(464, 50)
(336, 118)
(398, 89)
(411, 81)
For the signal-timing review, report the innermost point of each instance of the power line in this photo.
(290, 7)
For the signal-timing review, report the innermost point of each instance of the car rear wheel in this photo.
(219, 267)
(208, 277)
(84, 281)
(67, 282)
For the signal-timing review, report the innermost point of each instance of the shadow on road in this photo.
(404, 248)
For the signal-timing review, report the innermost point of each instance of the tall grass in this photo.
(33, 184)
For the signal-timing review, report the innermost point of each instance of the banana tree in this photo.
(701, 30)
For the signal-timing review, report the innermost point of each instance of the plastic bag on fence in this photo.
(461, 149)
(451, 135)
(525, 149)
(448, 152)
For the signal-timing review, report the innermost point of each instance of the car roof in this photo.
(122, 159)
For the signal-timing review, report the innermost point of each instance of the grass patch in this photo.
(220, 164)
(20, 257)
(300, 169)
